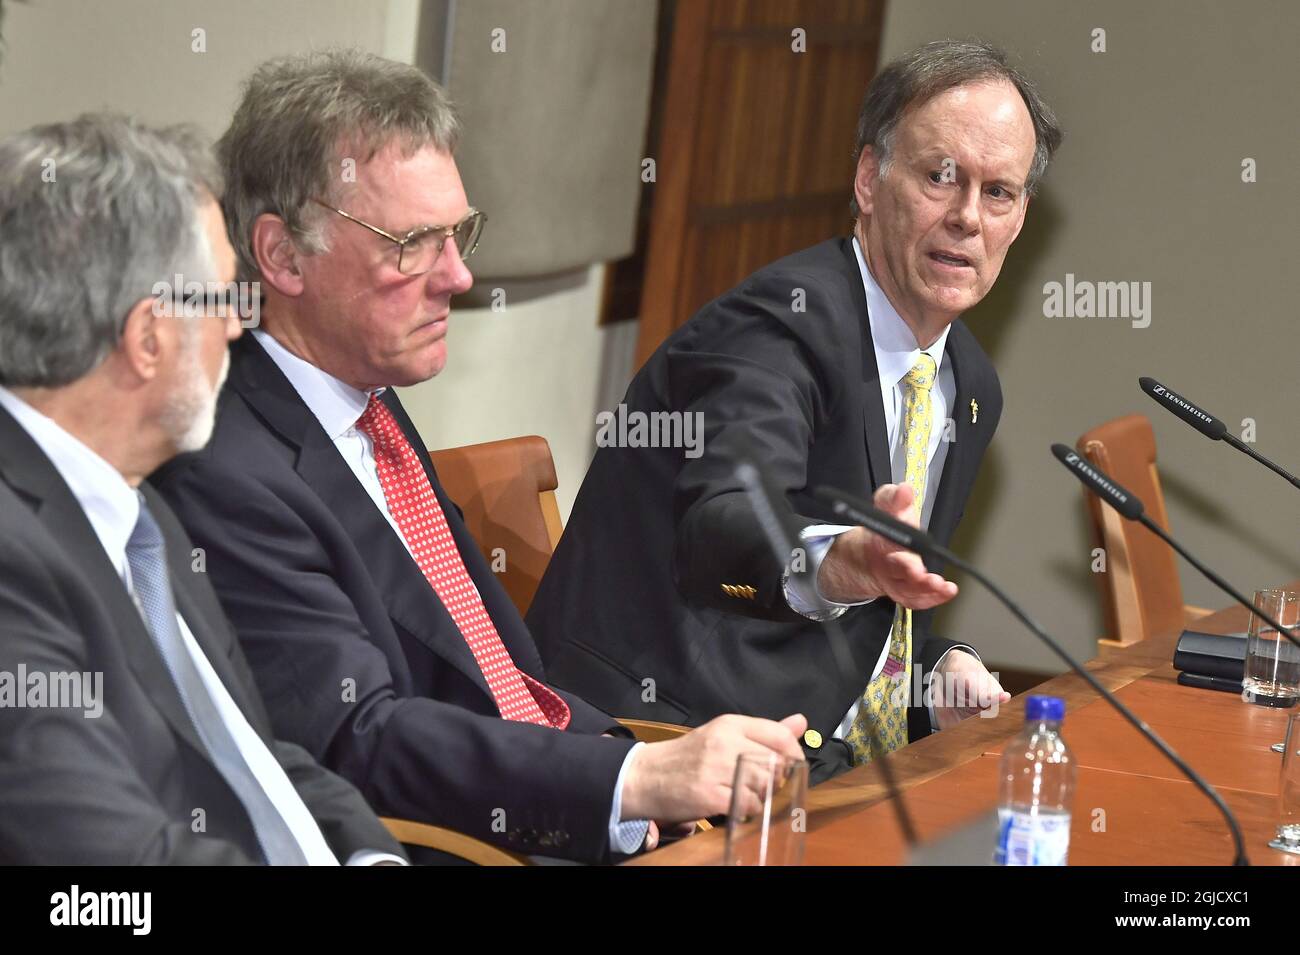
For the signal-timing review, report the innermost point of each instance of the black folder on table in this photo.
(1211, 660)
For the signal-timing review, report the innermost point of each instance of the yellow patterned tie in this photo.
(881, 724)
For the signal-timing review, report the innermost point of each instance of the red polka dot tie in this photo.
(415, 508)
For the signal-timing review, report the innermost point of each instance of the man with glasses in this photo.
(846, 364)
(131, 731)
(379, 635)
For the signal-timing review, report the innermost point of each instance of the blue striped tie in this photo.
(147, 556)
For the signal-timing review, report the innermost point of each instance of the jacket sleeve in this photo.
(761, 375)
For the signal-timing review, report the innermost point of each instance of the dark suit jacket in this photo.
(664, 573)
(122, 787)
(358, 660)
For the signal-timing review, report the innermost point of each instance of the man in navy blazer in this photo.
(327, 535)
(813, 368)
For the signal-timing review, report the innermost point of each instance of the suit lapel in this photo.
(873, 407)
(28, 470)
(408, 597)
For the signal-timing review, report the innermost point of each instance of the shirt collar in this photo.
(111, 505)
(336, 404)
(897, 350)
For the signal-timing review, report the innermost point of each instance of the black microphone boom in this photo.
(775, 522)
(1130, 507)
(922, 540)
(1207, 424)
(877, 521)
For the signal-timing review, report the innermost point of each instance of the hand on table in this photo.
(962, 687)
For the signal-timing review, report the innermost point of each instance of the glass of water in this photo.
(1272, 661)
(768, 818)
(1288, 827)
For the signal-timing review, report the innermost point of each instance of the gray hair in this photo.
(93, 213)
(300, 117)
(919, 76)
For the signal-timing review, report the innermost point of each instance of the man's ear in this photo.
(277, 258)
(141, 344)
(864, 180)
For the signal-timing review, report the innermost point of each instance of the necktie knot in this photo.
(923, 373)
(378, 422)
(146, 540)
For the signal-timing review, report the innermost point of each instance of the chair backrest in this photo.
(1140, 589)
(506, 490)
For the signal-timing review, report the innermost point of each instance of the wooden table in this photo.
(1131, 806)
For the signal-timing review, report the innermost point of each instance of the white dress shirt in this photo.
(897, 352)
(113, 507)
(338, 406)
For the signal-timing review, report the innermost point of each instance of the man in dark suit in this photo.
(843, 365)
(131, 730)
(379, 636)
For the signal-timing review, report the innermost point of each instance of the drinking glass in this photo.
(1288, 826)
(768, 819)
(1272, 676)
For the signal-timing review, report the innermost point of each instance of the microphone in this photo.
(1131, 508)
(1207, 424)
(900, 531)
(781, 537)
(1113, 494)
(878, 522)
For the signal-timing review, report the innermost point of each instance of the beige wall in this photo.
(66, 57)
(1147, 188)
(533, 368)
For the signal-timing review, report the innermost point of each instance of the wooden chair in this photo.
(450, 841)
(1140, 590)
(506, 490)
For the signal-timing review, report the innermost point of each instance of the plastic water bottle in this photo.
(1036, 789)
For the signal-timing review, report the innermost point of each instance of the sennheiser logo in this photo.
(1075, 461)
(75, 907)
(1174, 399)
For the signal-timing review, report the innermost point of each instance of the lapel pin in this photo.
(974, 411)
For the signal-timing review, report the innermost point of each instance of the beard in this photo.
(189, 420)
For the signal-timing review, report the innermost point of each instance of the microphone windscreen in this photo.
(863, 512)
(1099, 482)
(1198, 418)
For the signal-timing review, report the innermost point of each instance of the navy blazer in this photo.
(663, 558)
(357, 658)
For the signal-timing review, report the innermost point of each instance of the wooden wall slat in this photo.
(756, 156)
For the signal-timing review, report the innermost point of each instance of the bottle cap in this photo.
(1040, 708)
